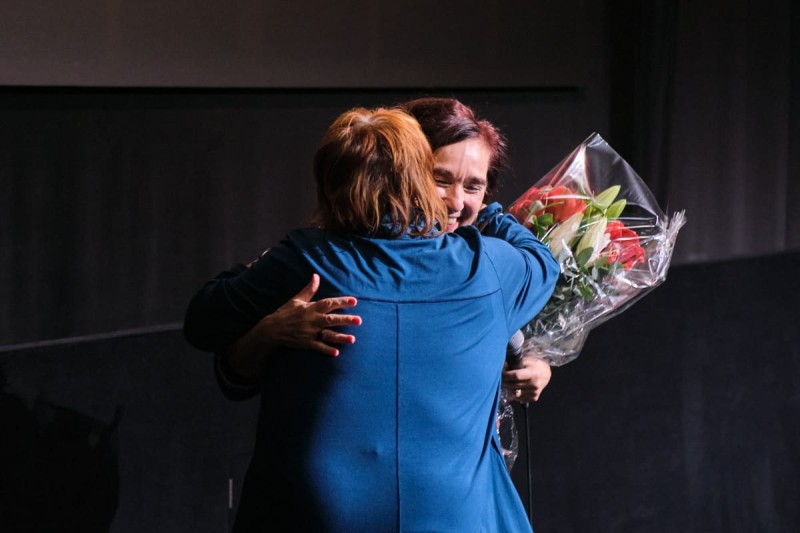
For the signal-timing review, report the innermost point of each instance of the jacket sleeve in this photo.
(233, 386)
(197, 333)
(213, 319)
(527, 270)
(229, 305)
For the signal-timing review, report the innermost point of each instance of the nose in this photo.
(454, 199)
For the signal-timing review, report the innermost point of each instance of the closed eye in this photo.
(475, 186)
(442, 177)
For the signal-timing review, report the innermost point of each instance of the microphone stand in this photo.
(514, 361)
(528, 462)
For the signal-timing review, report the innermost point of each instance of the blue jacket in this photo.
(398, 432)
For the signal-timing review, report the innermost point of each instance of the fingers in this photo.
(332, 320)
(326, 337)
(330, 336)
(528, 384)
(309, 290)
(523, 393)
(327, 305)
(535, 375)
(317, 318)
(519, 393)
(325, 349)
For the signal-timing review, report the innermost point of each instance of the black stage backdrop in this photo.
(120, 195)
(118, 204)
(679, 415)
(138, 159)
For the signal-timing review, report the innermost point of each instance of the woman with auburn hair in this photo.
(358, 191)
(397, 432)
(470, 155)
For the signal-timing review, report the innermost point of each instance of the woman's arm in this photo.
(299, 323)
(530, 380)
(534, 375)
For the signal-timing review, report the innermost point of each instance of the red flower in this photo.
(624, 246)
(559, 201)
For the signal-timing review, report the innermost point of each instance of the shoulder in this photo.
(296, 243)
(488, 212)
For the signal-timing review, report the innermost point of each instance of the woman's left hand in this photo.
(527, 383)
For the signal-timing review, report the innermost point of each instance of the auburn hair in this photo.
(374, 171)
(448, 121)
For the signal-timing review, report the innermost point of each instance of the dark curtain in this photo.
(703, 103)
(116, 204)
(121, 433)
(680, 414)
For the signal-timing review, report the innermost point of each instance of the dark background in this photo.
(146, 146)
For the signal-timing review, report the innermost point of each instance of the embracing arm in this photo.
(252, 313)
(535, 373)
(299, 323)
(492, 222)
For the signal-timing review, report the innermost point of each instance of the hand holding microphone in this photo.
(514, 356)
(526, 377)
(514, 350)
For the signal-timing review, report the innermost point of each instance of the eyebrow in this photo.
(444, 173)
(476, 180)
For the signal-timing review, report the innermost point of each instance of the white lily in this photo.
(562, 234)
(595, 239)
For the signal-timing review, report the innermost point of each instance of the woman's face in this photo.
(460, 172)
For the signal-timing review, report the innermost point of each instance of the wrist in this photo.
(233, 372)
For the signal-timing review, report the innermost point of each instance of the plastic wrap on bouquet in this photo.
(612, 240)
(507, 430)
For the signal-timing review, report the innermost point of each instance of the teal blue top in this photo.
(398, 432)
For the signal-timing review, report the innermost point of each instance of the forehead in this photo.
(468, 159)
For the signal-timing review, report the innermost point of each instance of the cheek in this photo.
(472, 207)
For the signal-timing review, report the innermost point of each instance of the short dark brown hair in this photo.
(373, 167)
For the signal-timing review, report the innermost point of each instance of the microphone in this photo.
(514, 350)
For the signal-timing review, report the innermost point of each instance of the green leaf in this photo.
(615, 209)
(602, 269)
(604, 199)
(586, 293)
(584, 255)
(545, 219)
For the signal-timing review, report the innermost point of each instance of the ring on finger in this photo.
(321, 335)
(518, 393)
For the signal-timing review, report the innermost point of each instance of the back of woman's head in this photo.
(447, 121)
(375, 167)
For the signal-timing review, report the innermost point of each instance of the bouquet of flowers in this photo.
(613, 242)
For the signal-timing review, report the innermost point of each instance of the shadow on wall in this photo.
(58, 467)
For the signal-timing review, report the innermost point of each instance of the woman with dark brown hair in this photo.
(470, 157)
(397, 432)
